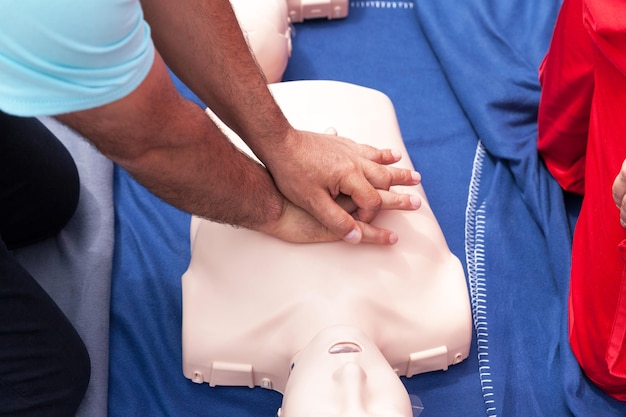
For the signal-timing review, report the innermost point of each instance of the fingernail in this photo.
(416, 202)
(416, 176)
(353, 236)
(396, 154)
(393, 238)
(622, 223)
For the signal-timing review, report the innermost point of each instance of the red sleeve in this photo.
(606, 25)
(566, 76)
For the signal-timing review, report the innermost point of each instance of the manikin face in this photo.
(341, 373)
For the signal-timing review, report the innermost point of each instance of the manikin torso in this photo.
(259, 301)
(252, 303)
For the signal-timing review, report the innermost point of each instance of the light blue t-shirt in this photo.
(59, 56)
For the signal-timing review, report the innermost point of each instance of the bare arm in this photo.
(202, 43)
(169, 145)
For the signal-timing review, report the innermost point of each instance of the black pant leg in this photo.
(44, 365)
(39, 184)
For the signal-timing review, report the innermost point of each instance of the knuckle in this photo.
(375, 201)
(404, 200)
(375, 235)
(407, 175)
(386, 178)
(342, 224)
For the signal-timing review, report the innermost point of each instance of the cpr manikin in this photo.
(332, 326)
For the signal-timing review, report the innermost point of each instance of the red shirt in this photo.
(582, 139)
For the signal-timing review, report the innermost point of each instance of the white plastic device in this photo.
(268, 33)
(266, 25)
(331, 326)
(299, 10)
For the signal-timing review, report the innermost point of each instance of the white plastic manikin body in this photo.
(266, 26)
(255, 307)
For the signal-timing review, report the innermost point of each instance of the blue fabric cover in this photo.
(463, 79)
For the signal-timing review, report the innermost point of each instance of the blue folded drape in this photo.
(519, 221)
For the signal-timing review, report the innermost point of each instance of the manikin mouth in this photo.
(345, 347)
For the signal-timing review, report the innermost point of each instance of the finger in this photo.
(619, 186)
(370, 201)
(390, 201)
(366, 198)
(372, 234)
(335, 218)
(383, 177)
(346, 203)
(380, 156)
(298, 226)
(398, 201)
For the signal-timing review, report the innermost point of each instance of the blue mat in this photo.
(463, 79)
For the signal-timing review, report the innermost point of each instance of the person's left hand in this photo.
(619, 193)
(313, 169)
(296, 225)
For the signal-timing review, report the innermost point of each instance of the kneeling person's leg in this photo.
(39, 185)
(44, 365)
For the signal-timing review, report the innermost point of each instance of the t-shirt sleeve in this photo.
(70, 55)
(567, 80)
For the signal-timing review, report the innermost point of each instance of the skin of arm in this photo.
(201, 41)
(169, 145)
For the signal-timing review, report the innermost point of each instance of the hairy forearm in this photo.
(169, 145)
(203, 44)
(207, 176)
(201, 41)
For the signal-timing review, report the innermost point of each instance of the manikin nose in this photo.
(352, 383)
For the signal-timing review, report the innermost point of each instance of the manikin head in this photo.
(341, 373)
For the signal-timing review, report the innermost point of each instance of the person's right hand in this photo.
(312, 169)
